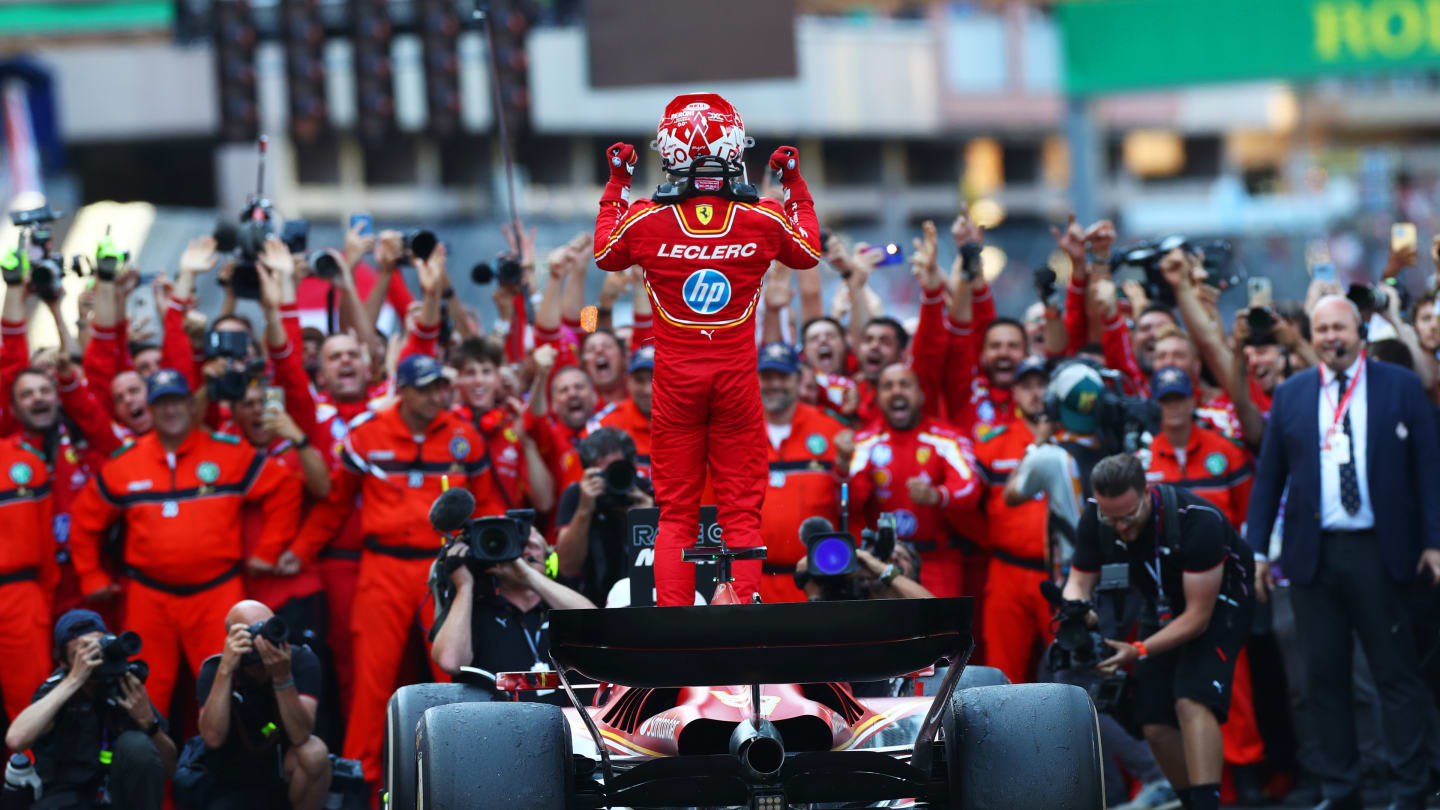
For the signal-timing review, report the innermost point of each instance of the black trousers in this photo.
(1353, 595)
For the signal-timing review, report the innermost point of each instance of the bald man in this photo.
(1355, 442)
(257, 717)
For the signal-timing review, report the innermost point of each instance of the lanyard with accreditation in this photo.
(1336, 444)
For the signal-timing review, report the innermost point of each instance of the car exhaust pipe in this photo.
(761, 751)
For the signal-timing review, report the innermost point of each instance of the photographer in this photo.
(591, 516)
(1192, 570)
(257, 717)
(499, 624)
(91, 728)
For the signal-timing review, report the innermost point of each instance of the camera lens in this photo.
(832, 556)
(1260, 319)
(509, 271)
(492, 543)
(619, 477)
(481, 273)
(421, 243)
(324, 264)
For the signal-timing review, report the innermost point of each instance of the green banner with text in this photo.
(1117, 45)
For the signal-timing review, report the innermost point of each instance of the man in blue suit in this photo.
(1355, 440)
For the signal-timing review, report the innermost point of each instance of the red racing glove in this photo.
(621, 157)
(786, 162)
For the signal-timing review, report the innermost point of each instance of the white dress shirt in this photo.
(1333, 516)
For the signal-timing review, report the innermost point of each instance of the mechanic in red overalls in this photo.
(705, 241)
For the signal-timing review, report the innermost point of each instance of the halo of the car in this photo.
(471, 755)
(1047, 736)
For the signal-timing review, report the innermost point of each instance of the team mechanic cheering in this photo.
(705, 241)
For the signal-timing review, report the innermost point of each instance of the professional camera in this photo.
(324, 264)
(232, 382)
(1076, 645)
(619, 478)
(1371, 298)
(420, 243)
(505, 269)
(247, 236)
(116, 654)
(108, 258)
(1147, 256)
(45, 269)
(832, 558)
(498, 539)
(273, 630)
(1122, 422)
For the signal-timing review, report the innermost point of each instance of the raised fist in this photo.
(621, 157)
(786, 161)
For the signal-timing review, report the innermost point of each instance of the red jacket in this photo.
(25, 511)
(625, 417)
(1214, 467)
(398, 479)
(885, 459)
(705, 259)
(182, 510)
(803, 483)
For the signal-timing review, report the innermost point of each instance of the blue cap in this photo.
(167, 382)
(1032, 365)
(418, 371)
(780, 357)
(76, 623)
(1168, 381)
(643, 359)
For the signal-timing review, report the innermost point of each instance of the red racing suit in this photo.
(705, 259)
(885, 460)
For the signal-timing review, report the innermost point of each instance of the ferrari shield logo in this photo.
(704, 213)
(922, 455)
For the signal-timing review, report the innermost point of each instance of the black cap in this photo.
(76, 623)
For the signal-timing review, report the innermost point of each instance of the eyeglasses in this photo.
(1127, 520)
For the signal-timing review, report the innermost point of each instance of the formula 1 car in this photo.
(784, 730)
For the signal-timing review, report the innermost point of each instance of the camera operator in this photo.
(499, 623)
(93, 734)
(257, 717)
(1192, 570)
(591, 541)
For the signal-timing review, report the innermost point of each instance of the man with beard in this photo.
(809, 456)
(825, 355)
(181, 492)
(28, 571)
(602, 356)
(521, 475)
(395, 460)
(980, 402)
(632, 415)
(1016, 619)
(921, 470)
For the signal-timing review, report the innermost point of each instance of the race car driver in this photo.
(705, 242)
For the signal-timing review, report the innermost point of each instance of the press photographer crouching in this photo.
(257, 720)
(836, 568)
(493, 589)
(590, 545)
(96, 738)
(1192, 571)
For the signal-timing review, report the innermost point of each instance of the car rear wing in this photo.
(807, 642)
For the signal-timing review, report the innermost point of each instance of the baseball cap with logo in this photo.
(167, 382)
(643, 359)
(1076, 387)
(418, 371)
(780, 357)
(1170, 381)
